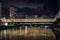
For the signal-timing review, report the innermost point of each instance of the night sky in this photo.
(52, 5)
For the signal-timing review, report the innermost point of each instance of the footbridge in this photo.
(28, 20)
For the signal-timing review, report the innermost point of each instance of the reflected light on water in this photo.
(27, 33)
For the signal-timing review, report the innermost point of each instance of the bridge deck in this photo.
(28, 20)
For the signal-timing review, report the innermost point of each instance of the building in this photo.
(0, 9)
(12, 12)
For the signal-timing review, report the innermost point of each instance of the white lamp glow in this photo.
(6, 24)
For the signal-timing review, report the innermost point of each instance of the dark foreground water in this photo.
(23, 38)
(19, 34)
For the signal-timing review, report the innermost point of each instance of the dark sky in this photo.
(51, 4)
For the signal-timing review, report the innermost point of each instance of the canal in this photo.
(32, 33)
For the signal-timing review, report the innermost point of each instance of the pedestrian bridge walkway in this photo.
(28, 20)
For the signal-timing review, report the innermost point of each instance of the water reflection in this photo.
(33, 33)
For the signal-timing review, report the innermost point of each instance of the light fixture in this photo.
(6, 24)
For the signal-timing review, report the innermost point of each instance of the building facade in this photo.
(0, 9)
(12, 12)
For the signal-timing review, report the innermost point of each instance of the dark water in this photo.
(4, 36)
(22, 38)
